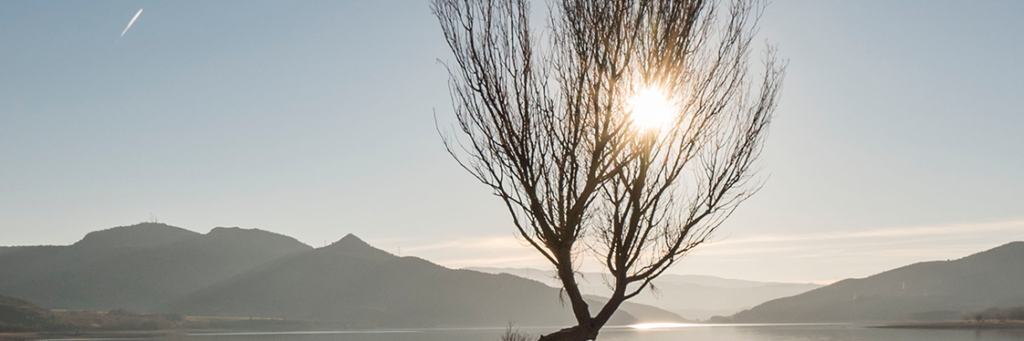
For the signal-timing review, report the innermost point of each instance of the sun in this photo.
(651, 109)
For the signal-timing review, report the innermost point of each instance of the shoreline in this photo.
(106, 334)
(958, 325)
(90, 334)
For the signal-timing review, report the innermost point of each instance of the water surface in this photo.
(832, 332)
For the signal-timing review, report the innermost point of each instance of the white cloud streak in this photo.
(882, 240)
(945, 230)
(131, 22)
(778, 257)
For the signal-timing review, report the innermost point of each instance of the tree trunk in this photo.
(588, 326)
(579, 306)
(576, 333)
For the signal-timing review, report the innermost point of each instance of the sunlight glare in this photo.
(663, 325)
(651, 109)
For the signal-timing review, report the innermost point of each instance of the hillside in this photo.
(20, 316)
(690, 296)
(138, 267)
(351, 284)
(922, 291)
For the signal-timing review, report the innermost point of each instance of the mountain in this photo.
(690, 296)
(159, 268)
(19, 266)
(138, 267)
(922, 291)
(352, 284)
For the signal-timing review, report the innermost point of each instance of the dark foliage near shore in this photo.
(117, 320)
(21, 316)
(512, 334)
(18, 316)
(1000, 314)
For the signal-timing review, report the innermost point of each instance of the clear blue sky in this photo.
(900, 136)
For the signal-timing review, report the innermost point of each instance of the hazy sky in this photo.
(899, 138)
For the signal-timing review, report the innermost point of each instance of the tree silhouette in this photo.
(558, 125)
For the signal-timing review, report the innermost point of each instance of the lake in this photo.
(777, 332)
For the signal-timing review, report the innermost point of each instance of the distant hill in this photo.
(159, 268)
(690, 296)
(144, 235)
(138, 267)
(352, 284)
(923, 291)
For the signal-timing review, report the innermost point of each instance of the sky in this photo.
(898, 138)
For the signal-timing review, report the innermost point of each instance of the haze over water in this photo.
(698, 333)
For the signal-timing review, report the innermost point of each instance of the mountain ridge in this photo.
(230, 271)
(920, 291)
(157, 263)
(377, 286)
(135, 236)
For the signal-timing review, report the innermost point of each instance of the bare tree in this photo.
(555, 124)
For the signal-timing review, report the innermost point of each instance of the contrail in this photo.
(131, 22)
